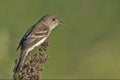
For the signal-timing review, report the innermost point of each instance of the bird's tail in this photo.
(21, 60)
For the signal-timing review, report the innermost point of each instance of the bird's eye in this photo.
(53, 19)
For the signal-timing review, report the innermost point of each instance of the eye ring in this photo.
(53, 19)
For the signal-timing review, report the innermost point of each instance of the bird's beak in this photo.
(60, 23)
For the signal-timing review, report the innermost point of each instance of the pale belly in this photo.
(37, 44)
(40, 42)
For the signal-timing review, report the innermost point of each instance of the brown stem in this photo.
(33, 64)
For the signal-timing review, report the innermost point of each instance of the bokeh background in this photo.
(87, 46)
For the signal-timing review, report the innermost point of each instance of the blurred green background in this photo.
(87, 46)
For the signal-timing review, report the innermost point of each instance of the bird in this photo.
(35, 36)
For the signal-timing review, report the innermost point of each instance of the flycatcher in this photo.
(35, 36)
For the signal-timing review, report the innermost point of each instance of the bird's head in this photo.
(51, 20)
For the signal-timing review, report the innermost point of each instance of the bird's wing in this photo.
(33, 36)
(25, 35)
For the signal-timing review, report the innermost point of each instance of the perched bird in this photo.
(35, 36)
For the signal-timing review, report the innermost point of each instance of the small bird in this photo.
(35, 36)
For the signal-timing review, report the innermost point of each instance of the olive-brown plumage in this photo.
(35, 36)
